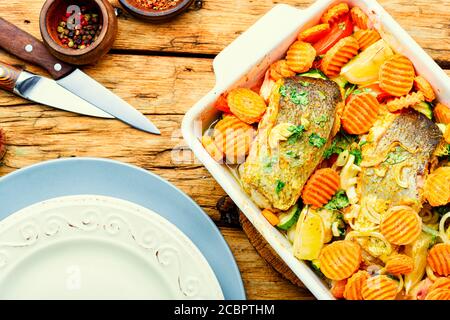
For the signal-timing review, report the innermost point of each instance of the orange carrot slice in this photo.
(300, 56)
(246, 104)
(233, 137)
(440, 283)
(271, 217)
(439, 259)
(339, 55)
(354, 285)
(359, 18)
(366, 38)
(321, 187)
(314, 33)
(438, 294)
(337, 288)
(280, 69)
(380, 287)
(360, 113)
(210, 146)
(399, 264)
(437, 187)
(401, 226)
(340, 259)
(442, 113)
(396, 75)
(422, 85)
(334, 13)
(405, 102)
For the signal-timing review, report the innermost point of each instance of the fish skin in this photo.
(416, 133)
(265, 167)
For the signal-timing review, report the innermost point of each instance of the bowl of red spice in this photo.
(78, 31)
(156, 10)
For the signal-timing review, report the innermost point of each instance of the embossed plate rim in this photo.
(113, 217)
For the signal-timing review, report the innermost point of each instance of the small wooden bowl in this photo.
(51, 13)
(153, 15)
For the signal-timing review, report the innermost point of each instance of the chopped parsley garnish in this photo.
(304, 83)
(396, 156)
(291, 154)
(297, 97)
(358, 156)
(342, 25)
(297, 133)
(316, 140)
(321, 120)
(280, 185)
(339, 201)
(341, 142)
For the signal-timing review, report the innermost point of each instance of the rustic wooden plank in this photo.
(210, 29)
(261, 281)
(152, 84)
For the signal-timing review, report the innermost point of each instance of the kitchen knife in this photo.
(44, 91)
(30, 49)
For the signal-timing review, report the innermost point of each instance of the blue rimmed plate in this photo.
(75, 176)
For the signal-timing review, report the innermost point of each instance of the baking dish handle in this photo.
(254, 44)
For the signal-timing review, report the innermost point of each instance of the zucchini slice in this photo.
(424, 108)
(314, 73)
(288, 219)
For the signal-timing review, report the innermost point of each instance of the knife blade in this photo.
(30, 49)
(44, 91)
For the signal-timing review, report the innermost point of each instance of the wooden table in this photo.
(163, 70)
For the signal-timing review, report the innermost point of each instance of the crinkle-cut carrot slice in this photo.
(271, 217)
(379, 287)
(359, 18)
(439, 259)
(334, 13)
(438, 294)
(210, 146)
(300, 56)
(233, 137)
(440, 283)
(280, 69)
(354, 285)
(442, 113)
(360, 113)
(396, 75)
(422, 85)
(340, 259)
(314, 33)
(437, 187)
(407, 101)
(400, 264)
(337, 288)
(246, 104)
(321, 187)
(366, 37)
(401, 226)
(338, 56)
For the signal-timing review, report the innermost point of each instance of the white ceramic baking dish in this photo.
(245, 61)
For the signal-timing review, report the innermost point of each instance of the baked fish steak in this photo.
(291, 139)
(396, 157)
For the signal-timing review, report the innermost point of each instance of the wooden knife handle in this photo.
(8, 76)
(28, 48)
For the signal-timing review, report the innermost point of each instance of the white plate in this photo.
(96, 247)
